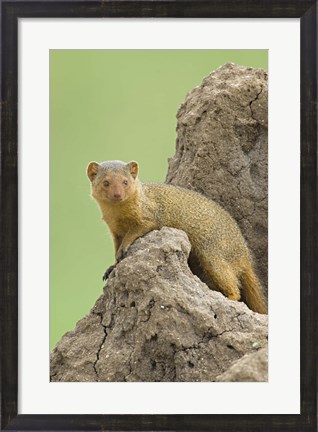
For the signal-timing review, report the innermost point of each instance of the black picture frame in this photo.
(11, 11)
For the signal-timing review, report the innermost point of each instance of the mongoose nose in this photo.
(117, 195)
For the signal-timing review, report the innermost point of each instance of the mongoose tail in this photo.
(252, 291)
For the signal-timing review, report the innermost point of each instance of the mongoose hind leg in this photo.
(223, 276)
(197, 269)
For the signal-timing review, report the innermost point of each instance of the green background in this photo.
(109, 104)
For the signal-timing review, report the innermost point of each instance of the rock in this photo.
(75, 355)
(221, 150)
(251, 367)
(156, 321)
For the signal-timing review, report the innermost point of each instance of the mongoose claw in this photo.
(108, 272)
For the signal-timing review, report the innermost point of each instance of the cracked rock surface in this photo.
(221, 150)
(156, 321)
(250, 368)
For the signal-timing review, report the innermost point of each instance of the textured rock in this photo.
(221, 150)
(156, 321)
(251, 367)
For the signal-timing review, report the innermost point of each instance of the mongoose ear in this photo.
(92, 169)
(133, 168)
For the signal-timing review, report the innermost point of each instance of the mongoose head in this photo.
(113, 181)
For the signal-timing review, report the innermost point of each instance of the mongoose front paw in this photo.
(108, 272)
(121, 255)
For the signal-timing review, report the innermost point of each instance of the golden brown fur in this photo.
(132, 209)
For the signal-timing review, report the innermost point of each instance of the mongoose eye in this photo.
(125, 182)
(106, 183)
